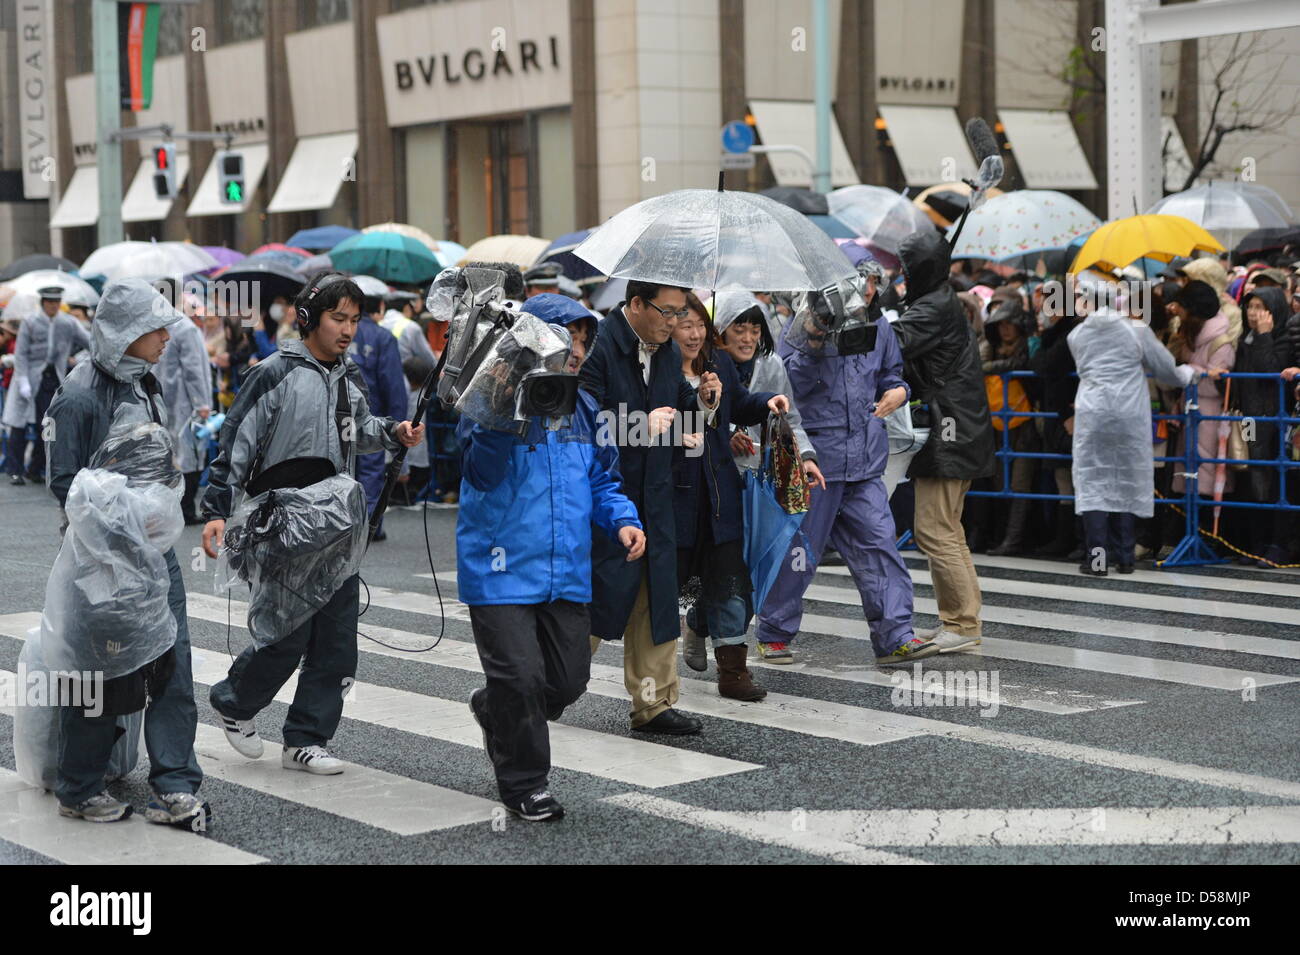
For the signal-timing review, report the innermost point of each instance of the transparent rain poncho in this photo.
(294, 548)
(106, 605)
(529, 346)
(1113, 467)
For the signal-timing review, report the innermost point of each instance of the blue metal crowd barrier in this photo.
(1191, 549)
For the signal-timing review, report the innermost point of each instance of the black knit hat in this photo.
(1199, 299)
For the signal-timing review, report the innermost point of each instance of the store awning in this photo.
(140, 204)
(315, 172)
(79, 204)
(207, 197)
(929, 143)
(1047, 149)
(794, 123)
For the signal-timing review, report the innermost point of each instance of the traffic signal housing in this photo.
(230, 177)
(164, 174)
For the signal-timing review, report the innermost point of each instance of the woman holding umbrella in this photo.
(711, 571)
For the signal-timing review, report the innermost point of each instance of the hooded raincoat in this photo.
(185, 376)
(1262, 353)
(1113, 466)
(30, 353)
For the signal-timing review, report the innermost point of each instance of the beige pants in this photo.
(938, 532)
(649, 671)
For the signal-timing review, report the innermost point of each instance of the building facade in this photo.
(474, 117)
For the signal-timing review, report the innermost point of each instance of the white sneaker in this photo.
(949, 642)
(312, 759)
(98, 808)
(242, 735)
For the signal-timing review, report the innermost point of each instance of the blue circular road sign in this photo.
(737, 137)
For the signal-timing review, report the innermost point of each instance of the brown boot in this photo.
(734, 678)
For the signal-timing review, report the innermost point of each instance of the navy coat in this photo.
(612, 374)
(713, 471)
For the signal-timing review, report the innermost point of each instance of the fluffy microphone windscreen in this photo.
(981, 139)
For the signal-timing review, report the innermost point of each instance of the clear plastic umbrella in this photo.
(699, 238)
(1023, 222)
(1229, 209)
(147, 260)
(75, 289)
(881, 216)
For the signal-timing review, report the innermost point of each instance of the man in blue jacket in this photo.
(523, 557)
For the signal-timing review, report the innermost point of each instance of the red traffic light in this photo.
(161, 157)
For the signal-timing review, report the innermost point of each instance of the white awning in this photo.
(207, 197)
(316, 170)
(1047, 149)
(929, 143)
(140, 204)
(79, 204)
(1177, 162)
(794, 123)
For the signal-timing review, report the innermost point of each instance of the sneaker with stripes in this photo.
(311, 759)
(242, 735)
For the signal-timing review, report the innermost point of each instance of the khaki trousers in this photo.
(649, 671)
(938, 532)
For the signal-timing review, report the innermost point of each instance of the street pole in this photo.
(108, 151)
(822, 93)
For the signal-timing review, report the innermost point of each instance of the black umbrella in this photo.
(30, 263)
(804, 201)
(1266, 240)
(271, 277)
(949, 203)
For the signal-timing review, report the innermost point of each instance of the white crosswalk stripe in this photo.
(1271, 582)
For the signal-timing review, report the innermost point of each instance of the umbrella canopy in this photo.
(1124, 241)
(223, 255)
(279, 247)
(944, 203)
(522, 250)
(268, 277)
(609, 295)
(1265, 240)
(1022, 222)
(30, 263)
(371, 287)
(21, 295)
(1230, 210)
(317, 263)
(321, 238)
(833, 227)
(699, 238)
(768, 532)
(148, 260)
(804, 201)
(391, 256)
(411, 232)
(447, 251)
(560, 251)
(881, 216)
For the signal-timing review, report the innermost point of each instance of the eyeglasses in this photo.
(679, 314)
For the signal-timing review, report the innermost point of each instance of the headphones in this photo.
(306, 319)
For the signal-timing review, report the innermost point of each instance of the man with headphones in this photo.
(300, 415)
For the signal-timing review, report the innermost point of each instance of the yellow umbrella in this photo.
(1124, 241)
(522, 250)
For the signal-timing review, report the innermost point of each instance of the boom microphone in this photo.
(981, 138)
(985, 146)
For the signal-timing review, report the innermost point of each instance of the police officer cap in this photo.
(50, 292)
(548, 273)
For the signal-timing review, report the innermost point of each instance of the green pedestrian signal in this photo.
(230, 175)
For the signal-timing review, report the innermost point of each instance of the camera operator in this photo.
(529, 498)
(275, 422)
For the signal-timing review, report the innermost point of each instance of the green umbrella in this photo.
(394, 258)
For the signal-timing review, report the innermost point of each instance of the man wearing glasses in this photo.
(634, 371)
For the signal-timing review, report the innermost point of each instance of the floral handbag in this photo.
(781, 461)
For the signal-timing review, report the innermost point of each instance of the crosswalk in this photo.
(1049, 674)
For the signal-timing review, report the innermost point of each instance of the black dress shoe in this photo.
(1125, 568)
(380, 536)
(671, 723)
(35, 478)
(16, 480)
(1087, 569)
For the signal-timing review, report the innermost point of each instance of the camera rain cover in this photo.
(530, 347)
(294, 548)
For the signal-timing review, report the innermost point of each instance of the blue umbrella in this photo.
(560, 252)
(833, 227)
(768, 532)
(393, 257)
(321, 238)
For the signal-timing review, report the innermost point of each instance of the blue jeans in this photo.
(724, 623)
(170, 721)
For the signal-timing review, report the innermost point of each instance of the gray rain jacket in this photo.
(186, 379)
(82, 409)
(769, 375)
(286, 407)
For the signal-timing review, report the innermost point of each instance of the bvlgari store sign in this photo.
(474, 58)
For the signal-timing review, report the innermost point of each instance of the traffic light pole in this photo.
(108, 109)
